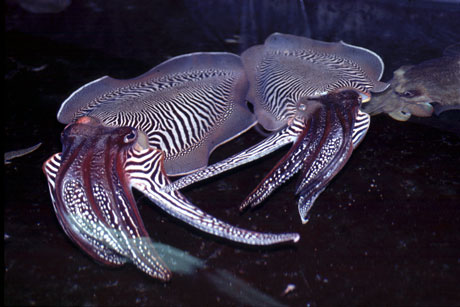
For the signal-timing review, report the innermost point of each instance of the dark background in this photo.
(385, 231)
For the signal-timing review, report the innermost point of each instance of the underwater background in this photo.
(384, 232)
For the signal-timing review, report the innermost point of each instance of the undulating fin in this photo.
(369, 62)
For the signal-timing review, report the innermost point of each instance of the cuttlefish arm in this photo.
(329, 129)
(269, 145)
(90, 185)
(92, 196)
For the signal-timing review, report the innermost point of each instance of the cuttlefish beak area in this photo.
(324, 127)
(92, 196)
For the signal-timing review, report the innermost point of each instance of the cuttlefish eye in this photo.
(409, 93)
(352, 94)
(131, 136)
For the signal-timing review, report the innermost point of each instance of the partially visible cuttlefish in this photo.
(420, 90)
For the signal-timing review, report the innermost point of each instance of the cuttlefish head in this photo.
(409, 94)
(92, 195)
(414, 97)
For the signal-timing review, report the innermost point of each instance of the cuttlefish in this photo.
(420, 90)
(135, 133)
(308, 93)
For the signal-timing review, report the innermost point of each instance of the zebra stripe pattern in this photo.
(186, 106)
(174, 122)
(282, 78)
(362, 122)
(50, 168)
(146, 175)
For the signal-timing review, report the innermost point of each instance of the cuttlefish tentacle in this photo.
(253, 153)
(92, 197)
(147, 174)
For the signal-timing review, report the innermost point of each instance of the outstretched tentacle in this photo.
(267, 146)
(147, 174)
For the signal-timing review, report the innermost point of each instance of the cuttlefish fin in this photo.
(86, 97)
(147, 174)
(368, 61)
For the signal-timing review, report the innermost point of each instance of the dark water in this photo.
(385, 231)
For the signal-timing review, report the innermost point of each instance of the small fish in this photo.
(19, 153)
